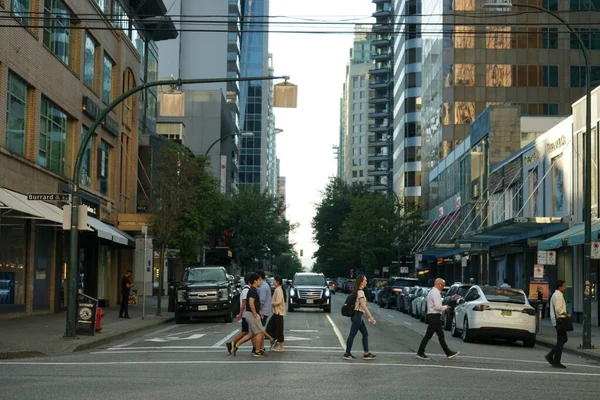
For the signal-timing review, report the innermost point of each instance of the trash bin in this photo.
(86, 315)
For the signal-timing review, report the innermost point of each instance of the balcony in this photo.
(379, 143)
(381, 43)
(379, 100)
(379, 114)
(382, 13)
(379, 128)
(378, 172)
(378, 157)
(381, 56)
(379, 83)
(380, 71)
(381, 1)
(383, 28)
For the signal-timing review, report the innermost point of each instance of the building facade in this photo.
(54, 81)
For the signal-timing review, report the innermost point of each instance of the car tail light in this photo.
(397, 290)
(528, 311)
(456, 297)
(482, 307)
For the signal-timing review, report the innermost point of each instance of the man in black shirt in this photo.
(126, 285)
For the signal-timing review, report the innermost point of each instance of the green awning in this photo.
(571, 237)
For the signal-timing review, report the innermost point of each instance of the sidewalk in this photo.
(548, 339)
(42, 335)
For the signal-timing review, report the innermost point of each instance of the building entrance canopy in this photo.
(571, 237)
(16, 205)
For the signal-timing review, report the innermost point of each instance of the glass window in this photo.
(355, 96)
(120, 19)
(448, 75)
(550, 4)
(89, 61)
(412, 129)
(355, 118)
(550, 75)
(56, 29)
(355, 107)
(464, 37)
(107, 81)
(104, 167)
(53, 136)
(16, 115)
(497, 37)
(103, 4)
(464, 75)
(447, 110)
(355, 82)
(86, 164)
(20, 9)
(464, 112)
(363, 94)
(550, 38)
(498, 75)
(550, 109)
(363, 81)
(464, 5)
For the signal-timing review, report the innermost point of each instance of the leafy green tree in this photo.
(287, 264)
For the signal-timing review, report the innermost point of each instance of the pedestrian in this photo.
(360, 308)
(264, 292)
(275, 325)
(558, 310)
(471, 281)
(505, 285)
(256, 331)
(434, 321)
(241, 316)
(126, 286)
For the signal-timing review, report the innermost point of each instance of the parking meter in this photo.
(540, 306)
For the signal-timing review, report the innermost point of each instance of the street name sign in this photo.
(49, 196)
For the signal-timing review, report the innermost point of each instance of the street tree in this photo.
(287, 264)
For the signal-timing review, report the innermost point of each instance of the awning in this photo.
(443, 251)
(33, 209)
(108, 232)
(515, 229)
(571, 237)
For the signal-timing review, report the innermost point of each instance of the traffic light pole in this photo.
(73, 273)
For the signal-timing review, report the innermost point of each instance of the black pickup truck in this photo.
(204, 292)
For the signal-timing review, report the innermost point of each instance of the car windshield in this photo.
(205, 275)
(462, 291)
(501, 295)
(312, 280)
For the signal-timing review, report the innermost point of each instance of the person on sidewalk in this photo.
(505, 285)
(126, 286)
(241, 315)
(434, 321)
(360, 308)
(558, 309)
(275, 325)
(264, 292)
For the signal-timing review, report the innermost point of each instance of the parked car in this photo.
(494, 312)
(309, 290)
(340, 284)
(348, 285)
(395, 285)
(331, 285)
(456, 292)
(372, 287)
(412, 294)
(400, 300)
(417, 304)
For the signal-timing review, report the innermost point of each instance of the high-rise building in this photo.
(481, 59)
(254, 104)
(354, 139)
(407, 100)
(272, 131)
(381, 99)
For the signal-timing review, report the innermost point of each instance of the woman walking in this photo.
(275, 326)
(360, 308)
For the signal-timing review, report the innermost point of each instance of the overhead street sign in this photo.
(49, 196)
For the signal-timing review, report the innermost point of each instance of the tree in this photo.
(287, 264)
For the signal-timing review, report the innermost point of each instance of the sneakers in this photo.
(422, 356)
(549, 359)
(369, 356)
(228, 345)
(234, 349)
(348, 356)
(273, 344)
(559, 365)
(452, 354)
(260, 354)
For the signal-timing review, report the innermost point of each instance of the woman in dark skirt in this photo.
(275, 326)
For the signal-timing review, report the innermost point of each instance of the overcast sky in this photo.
(316, 63)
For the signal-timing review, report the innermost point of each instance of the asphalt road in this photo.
(190, 361)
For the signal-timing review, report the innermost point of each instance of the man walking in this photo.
(266, 302)
(241, 315)
(434, 319)
(558, 309)
(126, 285)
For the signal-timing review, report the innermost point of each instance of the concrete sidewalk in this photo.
(42, 335)
(548, 339)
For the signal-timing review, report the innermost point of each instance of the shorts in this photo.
(255, 325)
(263, 320)
(245, 325)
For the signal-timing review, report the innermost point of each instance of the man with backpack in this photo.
(241, 315)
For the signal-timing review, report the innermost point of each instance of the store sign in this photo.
(386, 269)
(560, 142)
(404, 270)
(538, 271)
(463, 262)
(533, 158)
(542, 257)
(93, 111)
(595, 252)
(551, 257)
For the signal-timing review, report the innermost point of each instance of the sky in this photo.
(316, 63)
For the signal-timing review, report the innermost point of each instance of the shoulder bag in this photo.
(563, 323)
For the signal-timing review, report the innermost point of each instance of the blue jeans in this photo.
(358, 325)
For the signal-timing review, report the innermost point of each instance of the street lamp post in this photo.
(73, 276)
(242, 134)
(587, 205)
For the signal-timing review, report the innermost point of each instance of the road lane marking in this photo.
(226, 338)
(407, 323)
(294, 338)
(391, 316)
(311, 363)
(303, 330)
(337, 331)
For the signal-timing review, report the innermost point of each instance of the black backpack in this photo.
(348, 307)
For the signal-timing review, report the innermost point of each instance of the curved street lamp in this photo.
(505, 5)
(241, 134)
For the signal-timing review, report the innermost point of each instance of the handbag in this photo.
(564, 324)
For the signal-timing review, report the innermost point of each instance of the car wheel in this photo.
(327, 310)
(228, 318)
(466, 336)
(180, 320)
(529, 342)
(453, 330)
(388, 305)
(380, 303)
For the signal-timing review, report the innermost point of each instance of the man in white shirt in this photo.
(434, 320)
(558, 309)
(241, 315)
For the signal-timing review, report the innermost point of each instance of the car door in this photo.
(470, 298)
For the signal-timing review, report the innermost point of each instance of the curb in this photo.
(108, 339)
(569, 350)
(7, 355)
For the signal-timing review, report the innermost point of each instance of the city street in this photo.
(190, 361)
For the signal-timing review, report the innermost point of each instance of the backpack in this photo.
(348, 307)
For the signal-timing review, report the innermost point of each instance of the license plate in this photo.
(506, 313)
(309, 301)
(202, 308)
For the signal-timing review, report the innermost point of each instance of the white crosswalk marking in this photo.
(225, 339)
(175, 338)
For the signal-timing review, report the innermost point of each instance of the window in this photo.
(103, 4)
(120, 20)
(550, 38)
(589, 36)
(363, 81)
(86, 163)
(578, 74)
(412, 129)
(413, 56)
(355, 82)
(412, 104)
(550, 4)
(412, 178)
(57, 29)
(464, 37)
(53, 136)
(355, 140)
(103, 167)
(355, 118)
(497, 37)
(89, 61)
(550, 109)
(107, 81)
(464, 75)
(464, 5)
(20, 9)
(362, 162)
(355, 107)
(550, 76)
(363, 94)
(355, 96)
(498, 75)
(414, 79)
(584, 5)
(464, 112)
(16, 115)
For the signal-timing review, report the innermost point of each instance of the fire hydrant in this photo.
(99, 315)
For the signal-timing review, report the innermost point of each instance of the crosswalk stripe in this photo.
(225, 339)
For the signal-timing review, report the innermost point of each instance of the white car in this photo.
(417, 303)
(494, 312)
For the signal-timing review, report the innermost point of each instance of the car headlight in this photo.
(223, 292)
(292, 292)
(181, 295)
(327, 292)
